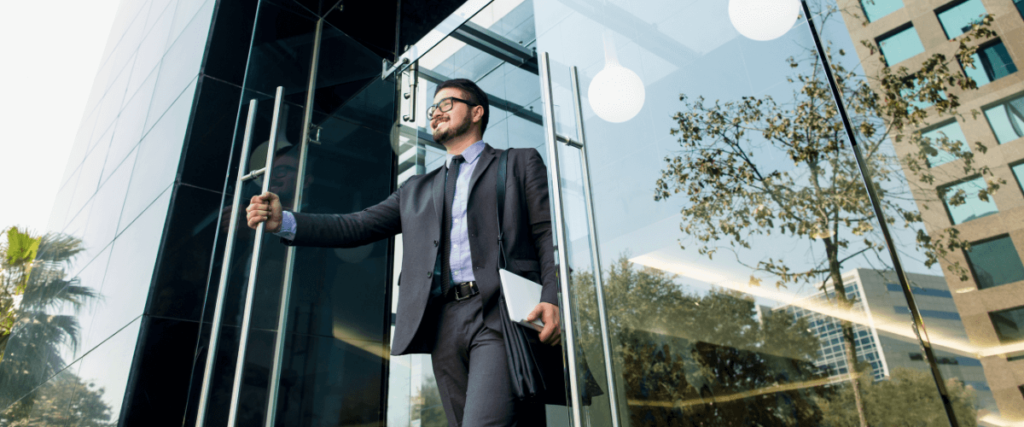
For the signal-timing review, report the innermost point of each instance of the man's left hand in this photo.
(547, 313)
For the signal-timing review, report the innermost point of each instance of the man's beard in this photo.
(442, 137)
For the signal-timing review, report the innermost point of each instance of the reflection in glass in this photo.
(900, 46)
(758, 197)
(990, 63)
(1007, 119)
(944, 139)
(958, 19)
(39, 304)
(875, 9)
(995, 262)
(967, 200)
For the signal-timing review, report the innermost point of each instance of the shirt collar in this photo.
(470, 154)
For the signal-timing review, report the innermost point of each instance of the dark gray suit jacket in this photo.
(415, 212)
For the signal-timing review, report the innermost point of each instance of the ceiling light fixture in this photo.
(616, 94)
(763, 20)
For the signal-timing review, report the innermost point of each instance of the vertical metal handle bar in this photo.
(595, 251)
(412, 73)
(218, 311)
(254, 265)
(559, 220)
(879, 214)
(289, 266)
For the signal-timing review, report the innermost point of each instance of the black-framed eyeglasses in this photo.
(445, 105)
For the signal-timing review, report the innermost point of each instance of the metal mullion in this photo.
(918, 320)
(559, 222)
(595, 252)
(289, 266)
(218, 311)
(254, 267)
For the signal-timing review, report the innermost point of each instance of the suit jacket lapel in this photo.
(486, 157)
(438, 194)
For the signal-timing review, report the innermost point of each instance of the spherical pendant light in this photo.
(616, 94)
(763, 20)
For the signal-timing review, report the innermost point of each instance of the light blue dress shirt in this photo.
(461, 261)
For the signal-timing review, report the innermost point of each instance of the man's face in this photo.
(455, 122)
(283, 177)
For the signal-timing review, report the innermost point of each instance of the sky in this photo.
(50, 54)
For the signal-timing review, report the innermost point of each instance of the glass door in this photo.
(299, 336)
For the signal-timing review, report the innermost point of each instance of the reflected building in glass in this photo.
(879, 297)
(990, 224)
(724, 261)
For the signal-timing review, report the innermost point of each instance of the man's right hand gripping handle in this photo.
(265, 208)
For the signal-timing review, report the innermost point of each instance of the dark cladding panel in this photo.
(158, 389)
(179, 284)
(229, 41)
(208, 148)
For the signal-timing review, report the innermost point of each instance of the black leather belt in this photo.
(461, 291)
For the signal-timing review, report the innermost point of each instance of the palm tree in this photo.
(35, 286)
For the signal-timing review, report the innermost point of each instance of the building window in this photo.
(1018, 172)
(1009, 324)
(991, 62)
(972, 207)
(1007, 119)
(875, 9)
(900, 45)
(949, 133)
(958, 18)
(995, 262)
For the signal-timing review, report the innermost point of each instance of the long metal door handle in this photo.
(254, 266)
(559, 220)
(595, 252)
(274, 385)
(218, 311)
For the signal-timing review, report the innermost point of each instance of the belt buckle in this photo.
(458, 295)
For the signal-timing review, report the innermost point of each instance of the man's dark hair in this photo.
(475, 95)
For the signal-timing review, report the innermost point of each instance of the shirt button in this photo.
(435, 243)
(430, 274)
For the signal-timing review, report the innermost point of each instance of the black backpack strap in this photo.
(500, 191)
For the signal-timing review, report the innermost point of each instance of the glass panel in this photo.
(900, 46)
(966, 201)
(875, 9)
(336, 343)
(995, 262)
(990, 63)
(958, 19)
(513, 91)
(752, 287)
(933, 214)
(1007, 119)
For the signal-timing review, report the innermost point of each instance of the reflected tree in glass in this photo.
(66, 401)
(908, 398)
(32, 350)
(736, 192)
(701, 360)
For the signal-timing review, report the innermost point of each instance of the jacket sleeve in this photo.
(374, 223)
(539, 215)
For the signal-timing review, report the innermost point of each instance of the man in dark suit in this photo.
(449, 286)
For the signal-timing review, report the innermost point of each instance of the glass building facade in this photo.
(745, 235)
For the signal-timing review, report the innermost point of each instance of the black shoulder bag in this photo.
(535, 368)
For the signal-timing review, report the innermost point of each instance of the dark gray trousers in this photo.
(471, 371)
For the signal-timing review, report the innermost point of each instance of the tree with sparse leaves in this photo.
(733, 194)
